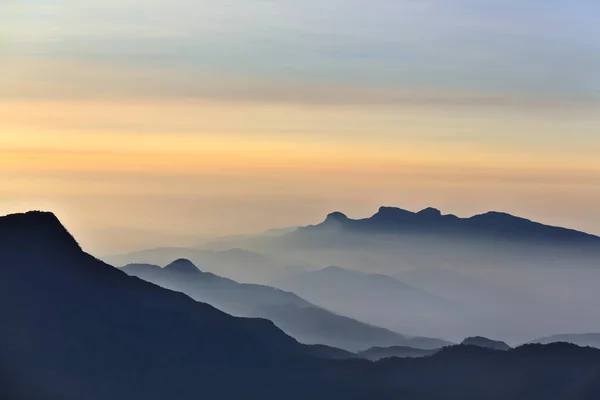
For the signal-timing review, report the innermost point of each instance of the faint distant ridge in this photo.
(579, 339)
(481, 341)
(296, 316)
(181, 268)
(432, 221)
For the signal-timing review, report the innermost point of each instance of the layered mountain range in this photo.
(296, 316)
(77, 328)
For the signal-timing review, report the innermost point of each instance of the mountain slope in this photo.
(82, 329)
(374, 298)
(299, 318)
(581, 339)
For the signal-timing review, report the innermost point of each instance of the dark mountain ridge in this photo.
(431, 221)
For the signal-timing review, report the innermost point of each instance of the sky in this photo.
(147, 123)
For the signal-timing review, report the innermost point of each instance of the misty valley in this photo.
(398, 305)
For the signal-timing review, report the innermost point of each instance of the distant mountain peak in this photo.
(182, 265)
(391, 212)
(336, 217)
(481, 341)
(334, 269)
(430, 212)
(497, 216)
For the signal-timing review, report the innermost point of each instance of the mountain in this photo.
(492, 270)
(462, 288)
(378, 353)
(582, 339)
(235, 263)
(495, 225)
(373, 298)
(491, 307)
(500, 303)
(480, 341)
(393, 240)
(78, 328)
(525, 373)
(530, 267)
(294, 315)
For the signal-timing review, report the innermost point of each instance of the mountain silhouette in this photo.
(77, 328)
(431, 221)
(80, 328)
(296, 316)
(242, 265)
(480, 341)
(182, 266)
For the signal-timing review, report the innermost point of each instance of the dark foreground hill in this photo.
(75, 328)
(296, 316)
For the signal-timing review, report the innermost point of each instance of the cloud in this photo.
(44, 79)
(480, 52)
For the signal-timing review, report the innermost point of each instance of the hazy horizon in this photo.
(115, 240)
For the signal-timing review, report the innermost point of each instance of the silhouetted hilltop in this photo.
(432, 221)
(480, 341)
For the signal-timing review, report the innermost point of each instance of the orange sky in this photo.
(214, 168)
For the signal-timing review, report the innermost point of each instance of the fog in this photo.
(434, 282)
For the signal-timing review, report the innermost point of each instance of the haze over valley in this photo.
(421, 274)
